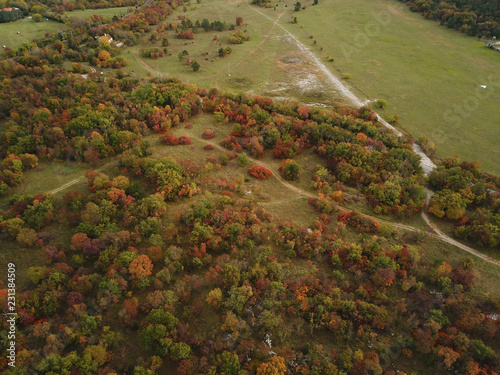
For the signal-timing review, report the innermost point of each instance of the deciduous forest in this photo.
(173, 260)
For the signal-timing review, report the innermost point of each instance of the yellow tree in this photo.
(276, 366)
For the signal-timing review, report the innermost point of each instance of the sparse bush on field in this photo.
(208, 134)
(231, 143)
(172, 140)
(259, 172)
(381, 103)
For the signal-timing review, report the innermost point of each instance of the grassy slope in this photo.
(28, 30)
(421, 68)
(430, 75)
(109, 12)
(258, 66)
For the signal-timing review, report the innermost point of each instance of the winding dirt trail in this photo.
(451, 241)
(303, 192)
(426, 163)
(438, 234)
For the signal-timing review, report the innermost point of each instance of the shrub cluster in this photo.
(172, 140)
(259, 172)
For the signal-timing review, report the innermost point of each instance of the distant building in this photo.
(109, 37)
(10, 14)
(117, 43)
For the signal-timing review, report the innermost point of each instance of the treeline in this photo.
(45, 7)
(10, 15)
(80, 38)
(473, 17)
(470, 198)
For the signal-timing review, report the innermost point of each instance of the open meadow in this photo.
(108, 12)
(269, 63)
(28, 31)
(429, 75)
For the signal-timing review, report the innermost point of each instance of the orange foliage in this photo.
(141, 267)
(259, 172)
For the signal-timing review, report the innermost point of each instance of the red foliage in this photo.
(283, 150)
(74, 298)
(208, 147)
(172, 140)
(185, 35)
(345, 216)
(231, 143)
(359, 221)
(256, 147)
(463, 276)
(259, 172)
(208, 134)
(26, 318)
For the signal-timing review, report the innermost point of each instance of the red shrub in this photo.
(360, 222)
(172, 140)
(283, 150)
(231, 143)
(208, 147)
(208, 134)
(259, 172)
(185, 35)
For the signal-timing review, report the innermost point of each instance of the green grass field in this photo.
(108, 12)
(429, 75)
(28, 30)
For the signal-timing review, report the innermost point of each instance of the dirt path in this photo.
(451, 241)
(145, 65)
(438, 234)
(79, 179)
(426, 163)
(303, 192)
(266, 37)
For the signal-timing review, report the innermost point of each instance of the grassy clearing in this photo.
(448, 228)
(428, 74)
(22, 257)
(487, 275)
(108, 12)
(28, 31)
(278, 69)
(51, 175)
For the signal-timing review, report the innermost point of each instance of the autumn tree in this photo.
(276, 366)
